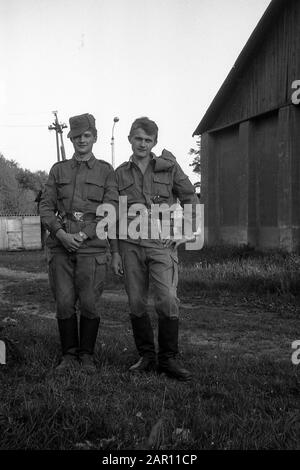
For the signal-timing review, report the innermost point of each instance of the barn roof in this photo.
(243, 59)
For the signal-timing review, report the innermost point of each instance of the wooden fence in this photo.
(20, 232)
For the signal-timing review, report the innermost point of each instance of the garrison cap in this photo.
(80, 124)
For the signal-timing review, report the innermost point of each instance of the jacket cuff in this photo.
(114, 245)
(55, 227)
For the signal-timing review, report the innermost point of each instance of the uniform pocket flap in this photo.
(64, 188)
(64, 181)
(101, 259)
(125, 181)
(95, 188)
(162, 177)
(93, 179)
(125, 185)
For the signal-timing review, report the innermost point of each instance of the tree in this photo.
(33, 181)
(19, 188)
(196, 153)
(196, 164)
(8, 187)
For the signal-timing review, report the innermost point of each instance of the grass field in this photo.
(238, 321)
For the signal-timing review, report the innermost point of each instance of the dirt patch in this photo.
(110, 295)
(216, 329)
(13, 274)
(246, 344)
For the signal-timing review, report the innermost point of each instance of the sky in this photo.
(165, 59)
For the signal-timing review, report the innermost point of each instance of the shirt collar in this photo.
(132, 162)
(90, 162)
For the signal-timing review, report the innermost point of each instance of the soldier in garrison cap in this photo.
(78, 258)
(147, 179)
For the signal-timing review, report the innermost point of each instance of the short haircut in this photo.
(148, 126)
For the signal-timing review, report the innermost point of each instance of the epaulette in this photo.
(62, 161)
(104, 161)
(122, 164)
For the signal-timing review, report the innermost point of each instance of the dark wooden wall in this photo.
(265, 82)
(228, 155)
(295, 151)
(264, 149)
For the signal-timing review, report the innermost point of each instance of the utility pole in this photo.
(116, 119)
(58, 128)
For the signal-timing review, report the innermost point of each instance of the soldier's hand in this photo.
(116, 264)
(69, 240)
(79, 238)
(174, 244)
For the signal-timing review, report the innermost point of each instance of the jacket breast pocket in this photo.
(64, 188)
(127, 187)
(161, 185)
(95, 189)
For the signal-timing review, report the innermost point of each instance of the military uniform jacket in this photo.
(78, 187)
(163, 182)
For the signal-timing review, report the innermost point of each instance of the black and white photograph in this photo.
(149, 229)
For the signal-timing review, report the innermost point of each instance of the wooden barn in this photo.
(250, 140)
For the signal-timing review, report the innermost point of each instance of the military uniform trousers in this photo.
(160, 265)
(77, 277)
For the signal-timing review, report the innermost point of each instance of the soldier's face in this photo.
(142, 143)
(83, 143)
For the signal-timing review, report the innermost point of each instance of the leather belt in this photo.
(80, 216)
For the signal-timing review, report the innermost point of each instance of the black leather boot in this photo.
(144, 341)
(168, 350)
(68, 332)
(88, 335)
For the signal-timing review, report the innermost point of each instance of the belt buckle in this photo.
(78, 216)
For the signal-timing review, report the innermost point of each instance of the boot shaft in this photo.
(88, 334)
(168, 350)
(68, 332)
(143, 335)
(167, 337)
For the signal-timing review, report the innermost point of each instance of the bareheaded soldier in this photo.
(78, 258)
(146, 180)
